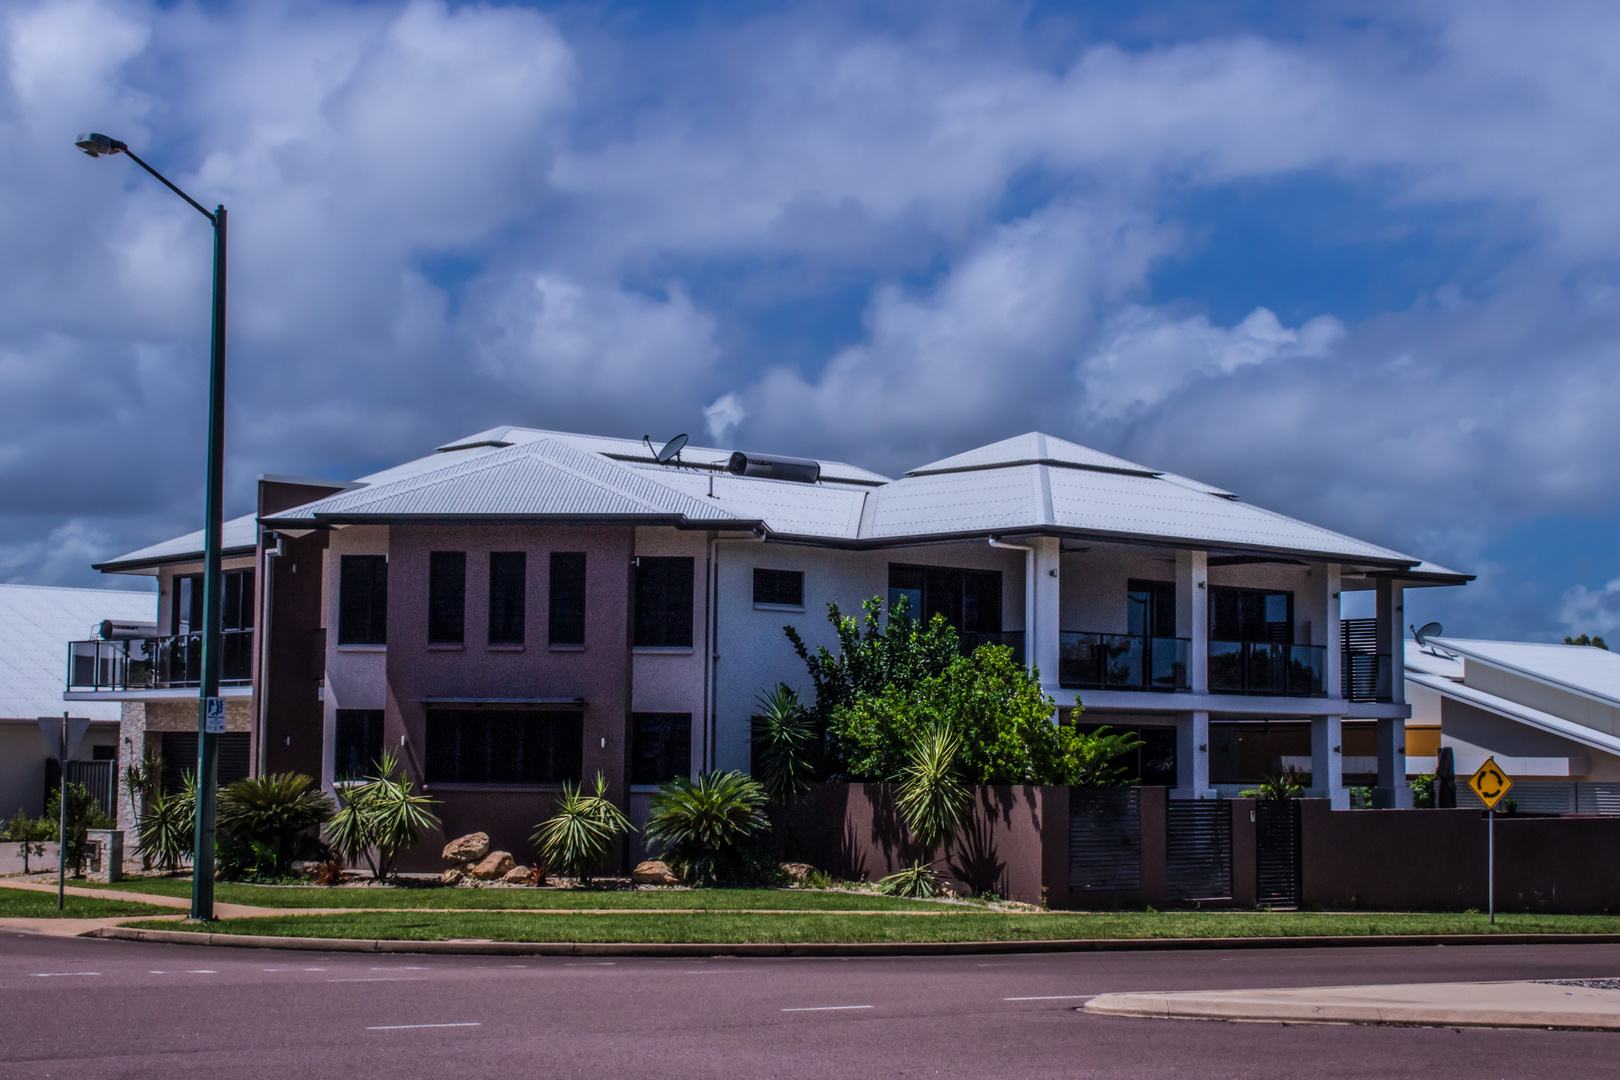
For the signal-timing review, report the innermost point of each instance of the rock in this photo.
(467, 849)
(653, 872)
(518, 875)
(798, 871)
(494, 865)
(451, 876)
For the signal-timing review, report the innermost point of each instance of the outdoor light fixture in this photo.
(211, 707)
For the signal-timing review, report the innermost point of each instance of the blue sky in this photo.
(1357, 262)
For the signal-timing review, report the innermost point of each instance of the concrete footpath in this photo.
(1592, 1004)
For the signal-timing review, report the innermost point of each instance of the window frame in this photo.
(447, 598)
(560, 629)
(371, 718)
(375, 632)
(540, 758)
(672, 748)
(769, 581)
(670, 624)
(508, 597)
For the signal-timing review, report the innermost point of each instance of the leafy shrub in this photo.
(932, 798)
(167, 829)
(574, 840)
(29, 835)
(707, 822)
(1286, 784)
(785, 740)
(918, 881)
(266, 822)
(83, 814)
(380, 817)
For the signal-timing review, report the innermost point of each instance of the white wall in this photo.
(671, 680)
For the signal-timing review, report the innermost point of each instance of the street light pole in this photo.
(210, 721)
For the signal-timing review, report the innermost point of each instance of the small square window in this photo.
(781, 587)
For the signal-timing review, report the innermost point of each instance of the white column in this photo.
(1331, 634)
(1327, 761)
(1048, 609)
(1392, 790)
(1192, 757)
(1192, 619)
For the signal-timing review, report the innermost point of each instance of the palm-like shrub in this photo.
(380, 817)
(707, 822)
(574, 839)
(918, 881)
(167, 830)
(785, 745)
(269, 822)
(932, 798)
(1289, 783)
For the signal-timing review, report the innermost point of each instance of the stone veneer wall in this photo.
(141, 726)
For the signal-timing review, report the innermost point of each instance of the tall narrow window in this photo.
(363, 600)
(236, 603)
(664, 602)
(359, 743)
(186, 610)
(447, 597)
(660, 747)
(567, 616)
(508, 574)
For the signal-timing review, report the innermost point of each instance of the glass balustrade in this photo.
(160, 663)
(1264, 668)
(1092, 661)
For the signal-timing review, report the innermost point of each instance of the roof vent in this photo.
(798, 470)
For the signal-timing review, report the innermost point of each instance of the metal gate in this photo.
(1276, 835)
(1198, 849)
(1105, 838)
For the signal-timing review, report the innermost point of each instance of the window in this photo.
(970, 600)
(664, 602)
(508, 575)
(447, 597)
(660, 747)
(1251, 615)
(179, 752)
(363, 600)
(781, 587)
(504, 746)
(567, 615)
(1150, 608)
(236, 609)
(359, 743)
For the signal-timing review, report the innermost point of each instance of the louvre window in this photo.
(363, 600)
(508, 575)
(447, 597)
(663, 602)
(660, 747)
(567, 615)
(783, 588)
(504, 746)
(359, 743)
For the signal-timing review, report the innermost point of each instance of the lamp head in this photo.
(96, 144)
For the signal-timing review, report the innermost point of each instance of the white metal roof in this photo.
(238, 535)
(36, 624)
(1583, 669)
(1029, 449)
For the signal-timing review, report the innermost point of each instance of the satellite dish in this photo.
(1427, 631)
(671, 449)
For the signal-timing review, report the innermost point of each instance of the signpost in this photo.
(62, 737)
(1490, 783)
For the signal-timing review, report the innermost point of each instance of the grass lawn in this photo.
(722, 927)
(314, 896)
(27, 904)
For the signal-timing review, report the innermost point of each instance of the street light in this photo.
(210, 708)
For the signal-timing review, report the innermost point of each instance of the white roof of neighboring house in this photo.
(1029, 484)
(1583, 669)
(36, 624)
(240, 535)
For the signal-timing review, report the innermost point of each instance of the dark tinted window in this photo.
(970, 600)
(179, 750)
(567, 615)
(1150, 608)
(236, 605)
(664, 602)
(779, 587)
(508, 577)
(502, 746)
(363, 600)
(447, 597)
(660, 747)
(1250, 615)
(359, 743)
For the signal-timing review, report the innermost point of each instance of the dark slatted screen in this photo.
(1105, 838)
(1198, 849)
(1277, 852)
(180, 757)
(1359, 642)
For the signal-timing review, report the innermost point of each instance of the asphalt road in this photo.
(90, 1008)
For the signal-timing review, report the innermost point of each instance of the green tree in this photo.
(29, 836)
(83, 814)
(1594, 641)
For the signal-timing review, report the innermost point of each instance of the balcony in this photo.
(1266, 669)
(1366, 676)
(1013, 639)
(1090, 661)
(160, 663)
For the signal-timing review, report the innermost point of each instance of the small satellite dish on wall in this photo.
(672, 449)
(1427, 631)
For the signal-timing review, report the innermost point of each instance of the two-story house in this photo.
(526, 607)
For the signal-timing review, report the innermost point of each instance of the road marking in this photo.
(828, 1008)
(392, 967)
(157, 972)
(403, 1027)
(385, 978)
(1053, 997)
(705, 971)
(203, 971)
(275, 969)
(314, 969)
(55, 974)
(598, 963)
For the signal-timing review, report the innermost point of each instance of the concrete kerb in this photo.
(830, 949)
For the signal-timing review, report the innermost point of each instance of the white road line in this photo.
(597, 963)
(157, 972)
(276, 969)
(828, 1008)
(385, 978)
(393, 967)
(203, 971)
(314, 969)
(56, 974)
(403, 1027)
(1053, 997)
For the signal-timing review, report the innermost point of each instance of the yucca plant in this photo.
(379, 818)
(784, 739)
(707, 822)
(1288, 783)
(268, 822)
(918, 881)
(144, 782)
(932, 798)
(167, 830)
(574, 839)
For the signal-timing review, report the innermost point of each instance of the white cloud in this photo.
(1591, 611)
(722, 415)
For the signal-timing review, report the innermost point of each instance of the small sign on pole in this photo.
(214, 716)
(1490, 783)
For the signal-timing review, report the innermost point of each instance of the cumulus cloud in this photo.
(1591, 611)
(722, 415)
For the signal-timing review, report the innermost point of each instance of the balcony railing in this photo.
(1258, 667)
(1013, 639)
(160, 663)
(1090, 661)
(1366, 676)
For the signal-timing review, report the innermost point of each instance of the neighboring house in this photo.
(1549, 714)
(525, 607)
(36, 624)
